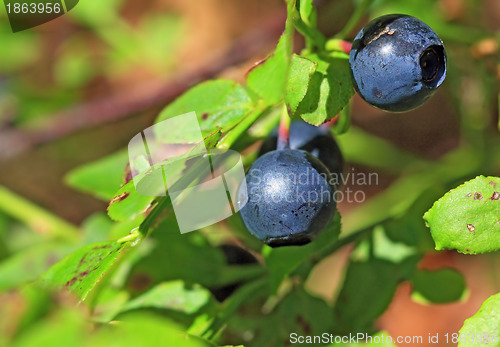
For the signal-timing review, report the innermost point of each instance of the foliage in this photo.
(466, 218)
(484, 324)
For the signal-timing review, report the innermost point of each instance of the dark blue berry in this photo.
(289, 198)
(397, 62)
(316, 140)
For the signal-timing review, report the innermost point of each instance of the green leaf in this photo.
(283, 261)
(82, 271)
(367, 291)
(306, 10)
(172, 295)
(484, 325)
(128, 204)
(30, 263)
(247, 293)
(71, 328)
(141, 329)
(301, 70)
(97, 227)
(343, 122)
(171, 257)
(395, 200)
(304, 312)
(440, 286)
(219, 106)
(65, 328)
(385, 248)
(269, 77)
(29, 304)
(410, 229)
(101, 178)
(329, 90)
(111, 299)
(466, 218)
(298, 312)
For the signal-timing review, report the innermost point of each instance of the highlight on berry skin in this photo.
(397, 62)
(289, 198)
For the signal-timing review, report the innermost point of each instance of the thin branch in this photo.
(353, 21)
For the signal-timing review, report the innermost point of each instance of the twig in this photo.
(353, 21)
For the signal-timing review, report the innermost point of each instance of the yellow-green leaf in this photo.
(467, 217)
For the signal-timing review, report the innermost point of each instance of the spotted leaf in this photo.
(467, 218)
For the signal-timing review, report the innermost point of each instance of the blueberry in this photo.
(289, 198)
(316, 140)
(397, 62)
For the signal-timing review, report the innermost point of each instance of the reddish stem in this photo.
(284, 131)
(331, 122)
(346, 46)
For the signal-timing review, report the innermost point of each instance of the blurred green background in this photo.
(77, 89)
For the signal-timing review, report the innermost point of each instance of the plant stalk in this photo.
(35, 217)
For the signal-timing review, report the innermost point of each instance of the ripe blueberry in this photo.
(289, 198)
(316, 140)
(397, 62)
